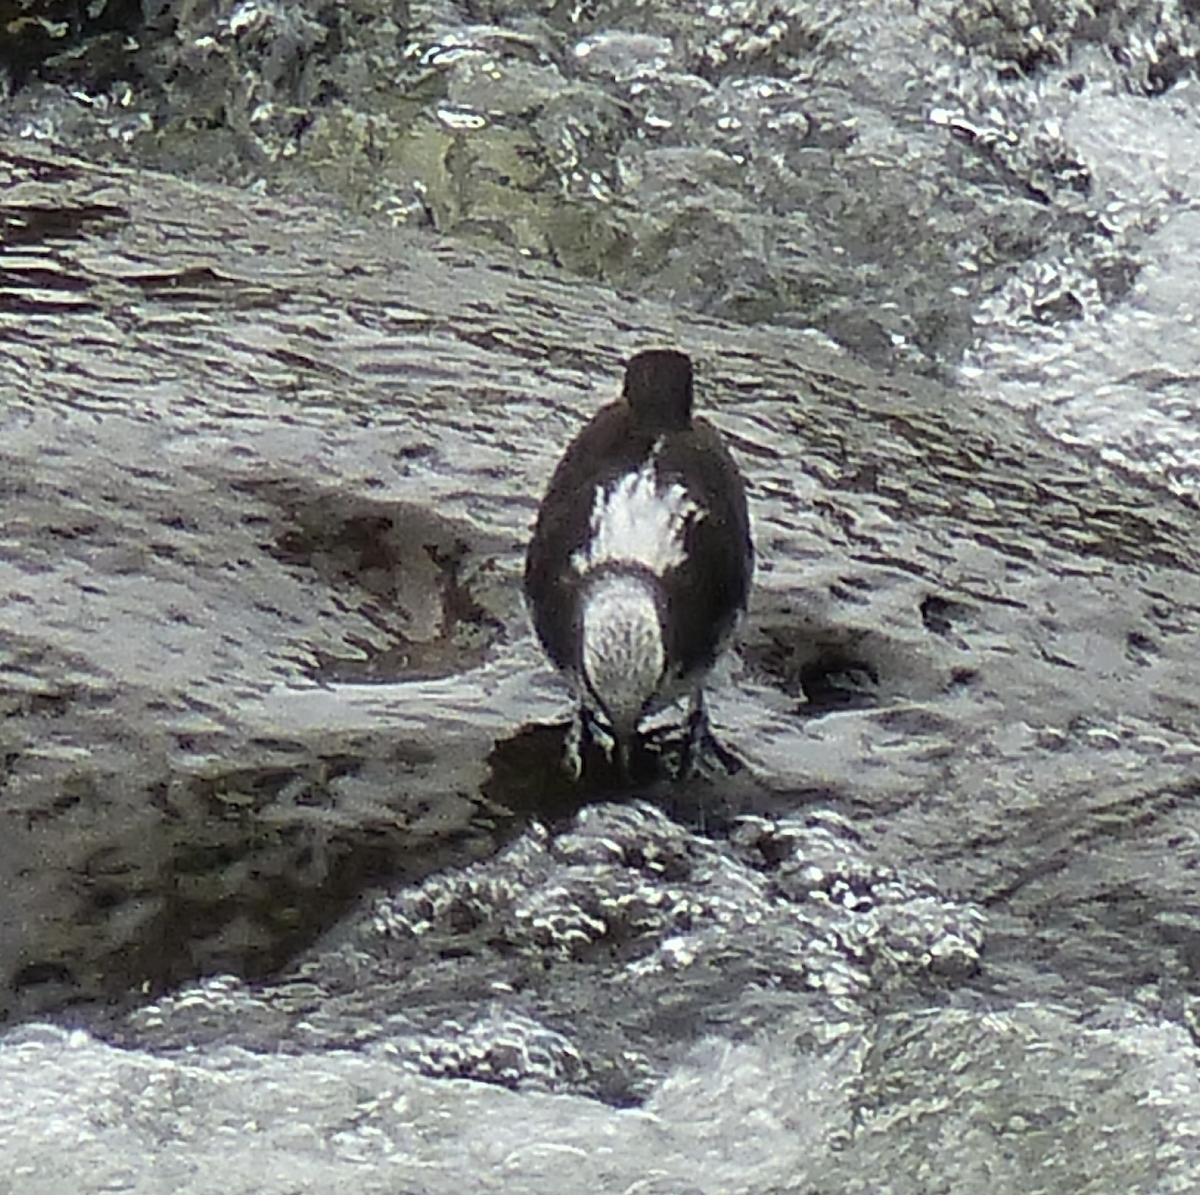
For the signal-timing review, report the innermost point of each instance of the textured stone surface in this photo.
(284, 454)
(267, 473)
(632, 935)
(895, 177)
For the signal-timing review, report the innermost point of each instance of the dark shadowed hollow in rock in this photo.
(410, 573)
(290, 874)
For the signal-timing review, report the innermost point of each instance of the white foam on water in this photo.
(1124, 378)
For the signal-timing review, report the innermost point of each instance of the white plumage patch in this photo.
(637, 522)
(623, 657)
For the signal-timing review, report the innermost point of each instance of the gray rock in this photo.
(267, 476)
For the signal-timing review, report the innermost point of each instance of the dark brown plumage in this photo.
(653, 495)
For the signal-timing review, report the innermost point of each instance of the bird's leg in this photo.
(699, 738)
(693, 737)
(624, 758)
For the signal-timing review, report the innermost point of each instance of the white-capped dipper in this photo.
(641, 558)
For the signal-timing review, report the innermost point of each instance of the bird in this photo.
(641, 561)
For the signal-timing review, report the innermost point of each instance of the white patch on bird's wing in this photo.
(636, 521)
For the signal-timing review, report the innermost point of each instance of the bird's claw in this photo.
(572, 759)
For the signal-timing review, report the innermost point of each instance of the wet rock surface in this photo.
(631, 936)
(896, 178)
(267, 478)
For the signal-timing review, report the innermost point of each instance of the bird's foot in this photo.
(586, 728)
(572, 758)
(700, 746)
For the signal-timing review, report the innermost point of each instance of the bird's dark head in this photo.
(658, 388)
(621, 647)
